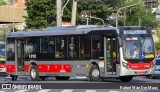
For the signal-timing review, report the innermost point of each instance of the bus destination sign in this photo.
(134, 32)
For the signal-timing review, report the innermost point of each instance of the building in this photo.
(12, 14)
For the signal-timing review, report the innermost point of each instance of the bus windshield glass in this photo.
(2, 51)
(136, 47)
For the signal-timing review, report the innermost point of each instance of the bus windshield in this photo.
(138, 48)
(2, 51)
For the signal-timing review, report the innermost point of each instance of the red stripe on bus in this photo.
(2, 65)
(54, 68)
(26, 68)
(137, 66)
(10, 68)
(43, 68)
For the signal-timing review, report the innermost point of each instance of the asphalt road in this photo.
(138, 84)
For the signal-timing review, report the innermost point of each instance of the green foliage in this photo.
(157, 45)
(2, 2)
(98, 10)
(136, 13)
(4, 30)
(42, 13)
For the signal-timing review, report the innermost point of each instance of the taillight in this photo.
(2, 65)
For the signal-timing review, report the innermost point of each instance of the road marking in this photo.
(21, 91)
(90, 90)
(113, 91)
(44, 90)
(67, 90)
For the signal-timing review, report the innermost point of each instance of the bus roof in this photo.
(70, 30)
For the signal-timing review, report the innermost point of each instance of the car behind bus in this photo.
(157, 71)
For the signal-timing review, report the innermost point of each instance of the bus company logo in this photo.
(15, 86)
(6, 86)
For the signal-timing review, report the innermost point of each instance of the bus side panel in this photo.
(77, 68)
(63, 68)
(10, 68)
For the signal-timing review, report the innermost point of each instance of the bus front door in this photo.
(110, 49)
(20, 56)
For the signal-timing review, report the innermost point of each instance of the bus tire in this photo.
(33, 73)
(125, 78)
(14, 77)
(62, 77)
(94, 73)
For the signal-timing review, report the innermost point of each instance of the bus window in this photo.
(60, 47)
(97, 46)
(47, 45)
(10, 50)
(32, 46)
(85, 47)
(73, 48)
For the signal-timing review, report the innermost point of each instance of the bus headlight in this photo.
(125, 65)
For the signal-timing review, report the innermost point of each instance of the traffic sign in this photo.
(85, 14)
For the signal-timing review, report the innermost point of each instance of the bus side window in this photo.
(97, 46)
(10, 49)
(47, 45)
(60, 50)
(73, 47)
(85, 47)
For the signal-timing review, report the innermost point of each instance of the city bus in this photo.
(2, 58)
(94, 52)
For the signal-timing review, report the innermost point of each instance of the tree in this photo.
(2, 2)
(136, 13)
(42, 13)
(97, 9)
(2, 30)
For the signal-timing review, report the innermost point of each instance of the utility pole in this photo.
(13, 16)
(59, 12)
(74, 9)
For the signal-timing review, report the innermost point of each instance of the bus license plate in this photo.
(140, 73)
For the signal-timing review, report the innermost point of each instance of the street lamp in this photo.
(99, 19)
(124, 8)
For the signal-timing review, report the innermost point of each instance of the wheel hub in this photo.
(95, 73)
(33, 73)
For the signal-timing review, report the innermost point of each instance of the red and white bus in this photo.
(81, 51)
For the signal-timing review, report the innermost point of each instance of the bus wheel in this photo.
(126, 78)
(14, 77)
(62, 77)
(94, 73)
(34, 75)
